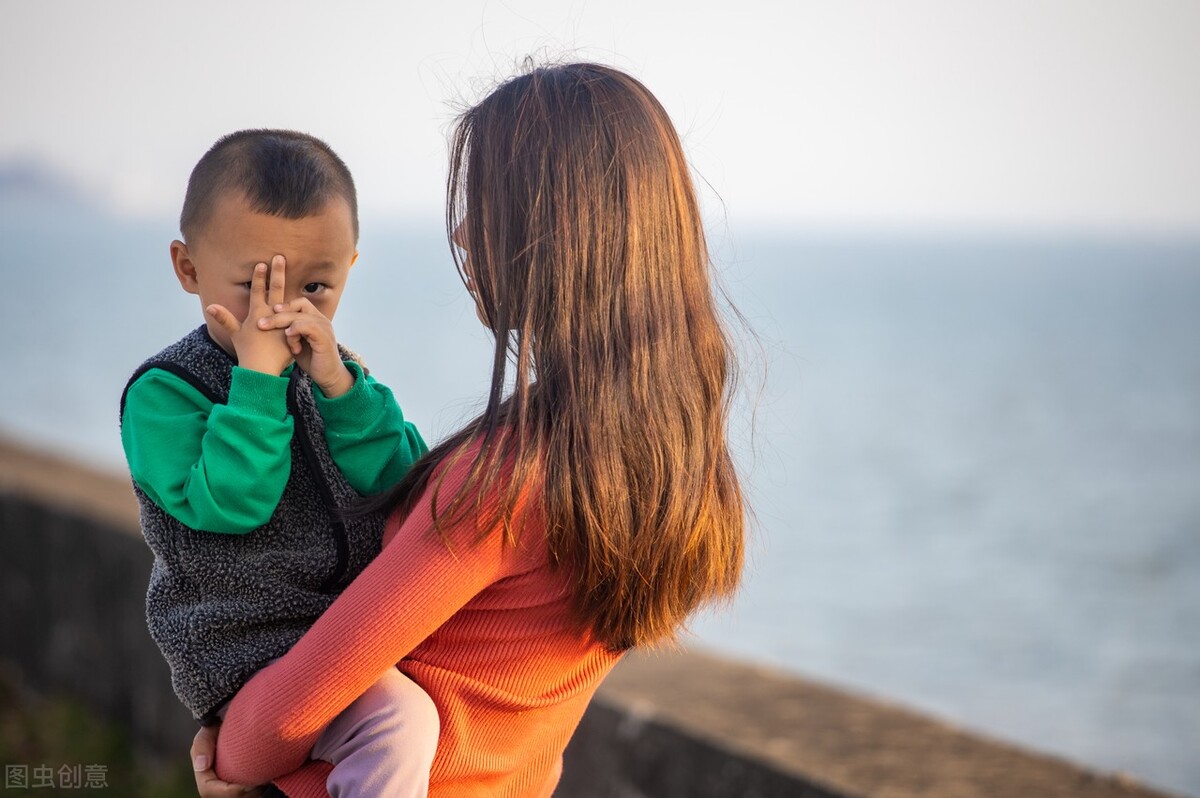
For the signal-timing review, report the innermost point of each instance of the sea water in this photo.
(974, 463)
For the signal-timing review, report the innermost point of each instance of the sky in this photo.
(1072, 115)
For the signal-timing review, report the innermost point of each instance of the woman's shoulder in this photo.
(474, 494)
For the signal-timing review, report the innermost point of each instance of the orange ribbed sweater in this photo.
(485, 628)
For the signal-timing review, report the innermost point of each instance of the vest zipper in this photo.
(340, 536)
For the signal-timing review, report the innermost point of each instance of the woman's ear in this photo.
(185, 267)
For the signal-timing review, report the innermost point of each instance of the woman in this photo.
(592, 506)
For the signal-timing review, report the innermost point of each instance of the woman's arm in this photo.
(414, 586)
(204, 745)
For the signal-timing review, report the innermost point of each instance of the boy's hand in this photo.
(312, 342)
(258, 348)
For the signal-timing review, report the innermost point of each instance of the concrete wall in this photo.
(73, 591)
(73, 572)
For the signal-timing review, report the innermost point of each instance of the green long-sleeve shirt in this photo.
(223, 468)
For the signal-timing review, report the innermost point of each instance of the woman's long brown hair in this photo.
(612, 372)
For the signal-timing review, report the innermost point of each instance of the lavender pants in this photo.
(382, 744)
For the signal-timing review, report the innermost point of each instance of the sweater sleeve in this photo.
(194, 458)
(419, 580)
(367, 435)
(307, 782)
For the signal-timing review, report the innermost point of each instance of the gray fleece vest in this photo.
(222, 606)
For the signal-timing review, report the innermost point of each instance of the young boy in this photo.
(249, 438)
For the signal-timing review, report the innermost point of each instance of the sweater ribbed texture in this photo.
(488, 631)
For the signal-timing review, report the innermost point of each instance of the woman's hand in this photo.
(204, 749)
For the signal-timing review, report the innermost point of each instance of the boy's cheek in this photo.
(327, 307)
(241, 311)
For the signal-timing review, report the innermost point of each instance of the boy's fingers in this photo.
(312, 331)
(258, 285)
(298, 305)
(220, 316)
(278, 280)
(291, 318)
(282, 318)
(277, 321)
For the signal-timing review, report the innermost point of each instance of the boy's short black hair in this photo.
(281, 172)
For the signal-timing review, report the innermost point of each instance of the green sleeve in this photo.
(218, 468)
(367, 435)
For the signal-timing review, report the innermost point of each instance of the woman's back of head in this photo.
(583, 244)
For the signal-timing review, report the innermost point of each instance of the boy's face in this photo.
(218, 263)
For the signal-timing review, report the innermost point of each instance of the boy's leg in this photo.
(382, 744)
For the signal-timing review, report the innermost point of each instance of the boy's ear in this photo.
(355, 258)
(185, 268)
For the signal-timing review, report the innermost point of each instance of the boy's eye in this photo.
(314, 288)
(246, 285)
